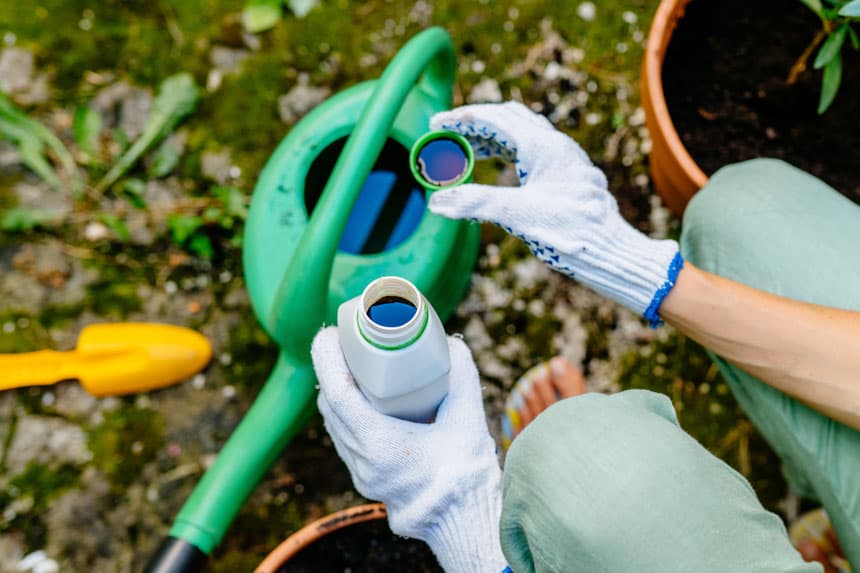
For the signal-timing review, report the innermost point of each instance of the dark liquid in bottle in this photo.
(442, 162)
(391, 311)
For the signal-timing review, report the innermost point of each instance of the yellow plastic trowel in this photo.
(113, 359)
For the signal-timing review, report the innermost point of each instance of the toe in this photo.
(544, 389)
(567, 378)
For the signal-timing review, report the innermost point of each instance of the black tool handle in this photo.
(176, 556)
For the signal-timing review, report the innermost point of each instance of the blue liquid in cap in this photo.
(442, 162)
(391, 311)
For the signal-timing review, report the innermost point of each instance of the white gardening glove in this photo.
(441, 482)
(562, 209)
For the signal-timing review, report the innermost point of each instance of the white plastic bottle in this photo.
(396, 348)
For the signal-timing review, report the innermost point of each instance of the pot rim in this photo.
(669, 12)
(310, 533)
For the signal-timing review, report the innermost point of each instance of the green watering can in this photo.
(335, 207)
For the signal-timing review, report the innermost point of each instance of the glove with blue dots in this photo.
(562, 209)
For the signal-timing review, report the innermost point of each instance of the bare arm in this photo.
(807, 351)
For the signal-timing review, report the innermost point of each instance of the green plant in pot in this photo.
(724, 81)
(838, 18)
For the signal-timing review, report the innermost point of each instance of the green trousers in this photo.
(612, 484)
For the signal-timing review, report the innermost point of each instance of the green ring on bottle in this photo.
(396, 346)
(432, 136)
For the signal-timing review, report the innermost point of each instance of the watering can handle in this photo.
(299, 308)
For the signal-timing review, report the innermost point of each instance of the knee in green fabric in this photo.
(726, 214)
(659, 404)
(599, 483)
(748, 186)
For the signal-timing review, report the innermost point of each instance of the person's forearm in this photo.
(807, 351)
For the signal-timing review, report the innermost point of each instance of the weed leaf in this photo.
(86, 126)
(177, 97)
(260, 15)
(20, 219)
(31, 138)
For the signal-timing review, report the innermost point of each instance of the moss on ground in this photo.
(252, 354)
(22, 333)
(125, 441)
(26, 498)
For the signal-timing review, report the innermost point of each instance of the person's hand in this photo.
(562, 209)
(440, 481)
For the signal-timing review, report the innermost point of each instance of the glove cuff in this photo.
(630, 268)
(465, 538)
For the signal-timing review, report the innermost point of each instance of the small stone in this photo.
(216, 166)
(74, 402)
(552, 71)
(486, 91)
(229, 392)
(198, 382)
(629, 17)
(95, 231)
(140, 229)
(46, 440)
(16, 70)
(225, 62)
(128, 103)
(587, 11)
(301, 99)
(637, 118)
(228, 60)
(593, 118)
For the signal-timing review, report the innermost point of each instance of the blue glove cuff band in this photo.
(651, 313)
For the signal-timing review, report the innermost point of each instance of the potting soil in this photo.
(368, 547)
(725, 82)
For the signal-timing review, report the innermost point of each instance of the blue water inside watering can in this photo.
(389, 206)
(371, 202)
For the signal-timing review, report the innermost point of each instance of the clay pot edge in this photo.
(658, 118)
(318, 529)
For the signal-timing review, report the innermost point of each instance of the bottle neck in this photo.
(391, 337)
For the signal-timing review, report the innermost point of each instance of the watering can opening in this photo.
(389, 206)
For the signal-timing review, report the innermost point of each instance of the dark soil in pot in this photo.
(725, 77)
(367, 547)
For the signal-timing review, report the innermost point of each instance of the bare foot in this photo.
(539, 389)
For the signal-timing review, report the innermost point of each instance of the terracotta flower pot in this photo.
(676, 176)
(319, 528)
